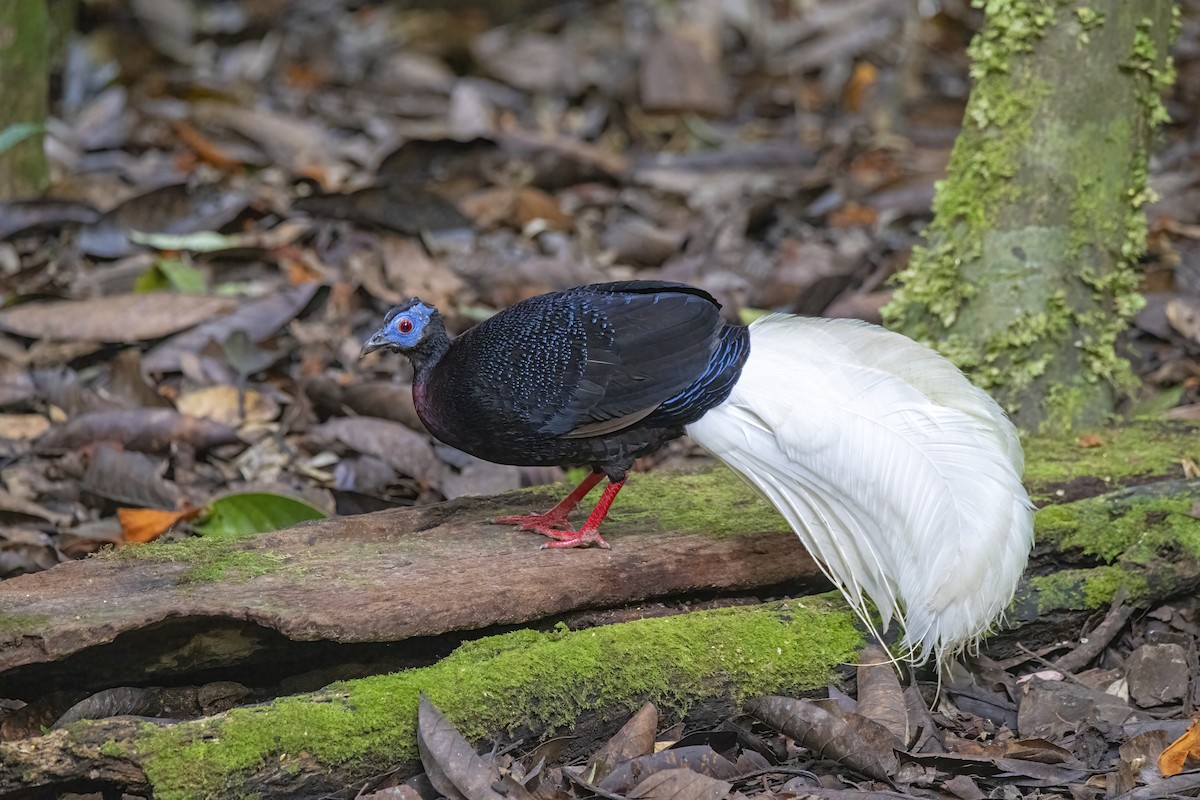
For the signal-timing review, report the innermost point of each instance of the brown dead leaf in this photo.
(1172, 760)
(205, 149)
(405, 209)
(516, 208)
(681, 784)
(1184, 315)
(141, 525)
(1139, 759)
(853, 215)
(533, 206)
(129, 479)
(120, 318)
(258, 318)
(175, 209)
(697, 759)
(411, 272)
(23, 551)
(23, 427)
(864, 746)
(301, 144)
(128, 386)
(453, 766)
(880, 697)
(1089, 440)
(228, 406)
(148, 431)
(15, 510)
(408, 452)
(864, 77)
(677, 77)
(636, 738)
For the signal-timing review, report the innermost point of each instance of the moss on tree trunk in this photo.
(24, 80)
(1028, 278)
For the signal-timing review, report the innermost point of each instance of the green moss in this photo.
(1109, 527)
(1013, 26)
(210, 559)
(19, 624)
(1158, 69)
(1124, 455)
(711, 500)
(1085, 589)
(1089, 18)
(486, 686)
(111, 749)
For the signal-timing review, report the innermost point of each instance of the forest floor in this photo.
(242, 189)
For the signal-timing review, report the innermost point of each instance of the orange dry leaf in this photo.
(141, 525)
(1091, 440)
(204, 148)
(1177, 753)
(852, 214)
(863, 79)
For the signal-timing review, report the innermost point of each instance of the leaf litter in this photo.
(239, 195)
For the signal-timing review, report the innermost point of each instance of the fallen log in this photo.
(1144, 541)
(161, 612)
(310, 745)
(165, 612)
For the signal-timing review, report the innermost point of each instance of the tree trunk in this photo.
(1028, 278)
(24, 86)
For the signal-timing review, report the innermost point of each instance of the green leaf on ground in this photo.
(244, 514)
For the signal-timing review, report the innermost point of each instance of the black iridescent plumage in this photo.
(597, 375)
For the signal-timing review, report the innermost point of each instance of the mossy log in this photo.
(309, 745)
(1143, 539)
(1030, 274)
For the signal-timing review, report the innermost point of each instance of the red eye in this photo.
(404, 325)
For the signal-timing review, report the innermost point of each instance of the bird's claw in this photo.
(556, 527)
(533, 522)
(567, 539)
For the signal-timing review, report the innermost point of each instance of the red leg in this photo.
(555, 518)
(589, 533)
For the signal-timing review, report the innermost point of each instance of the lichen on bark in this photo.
(24, 81)
(1029, 275)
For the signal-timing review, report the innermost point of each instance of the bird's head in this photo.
(410, 328)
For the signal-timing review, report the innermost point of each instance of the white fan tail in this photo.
(902, 479)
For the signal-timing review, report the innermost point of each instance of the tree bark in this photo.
(1028, 278)
(24, 88)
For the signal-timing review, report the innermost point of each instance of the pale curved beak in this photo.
(378, 341)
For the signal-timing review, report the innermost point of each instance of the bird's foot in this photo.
(535, 522)
(584, 537)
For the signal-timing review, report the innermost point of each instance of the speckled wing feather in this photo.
(635, 344)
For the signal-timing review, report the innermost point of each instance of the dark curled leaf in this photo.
(700, 759)
(129, 478)
(108, 703)
(864, 746)
(405, 450)
(680, 784)
(147, 431)
(636, 738)
(880, 697)
(117, 318)
(258, 319)
(453, 766)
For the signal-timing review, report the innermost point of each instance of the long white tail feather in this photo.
(902, 479)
